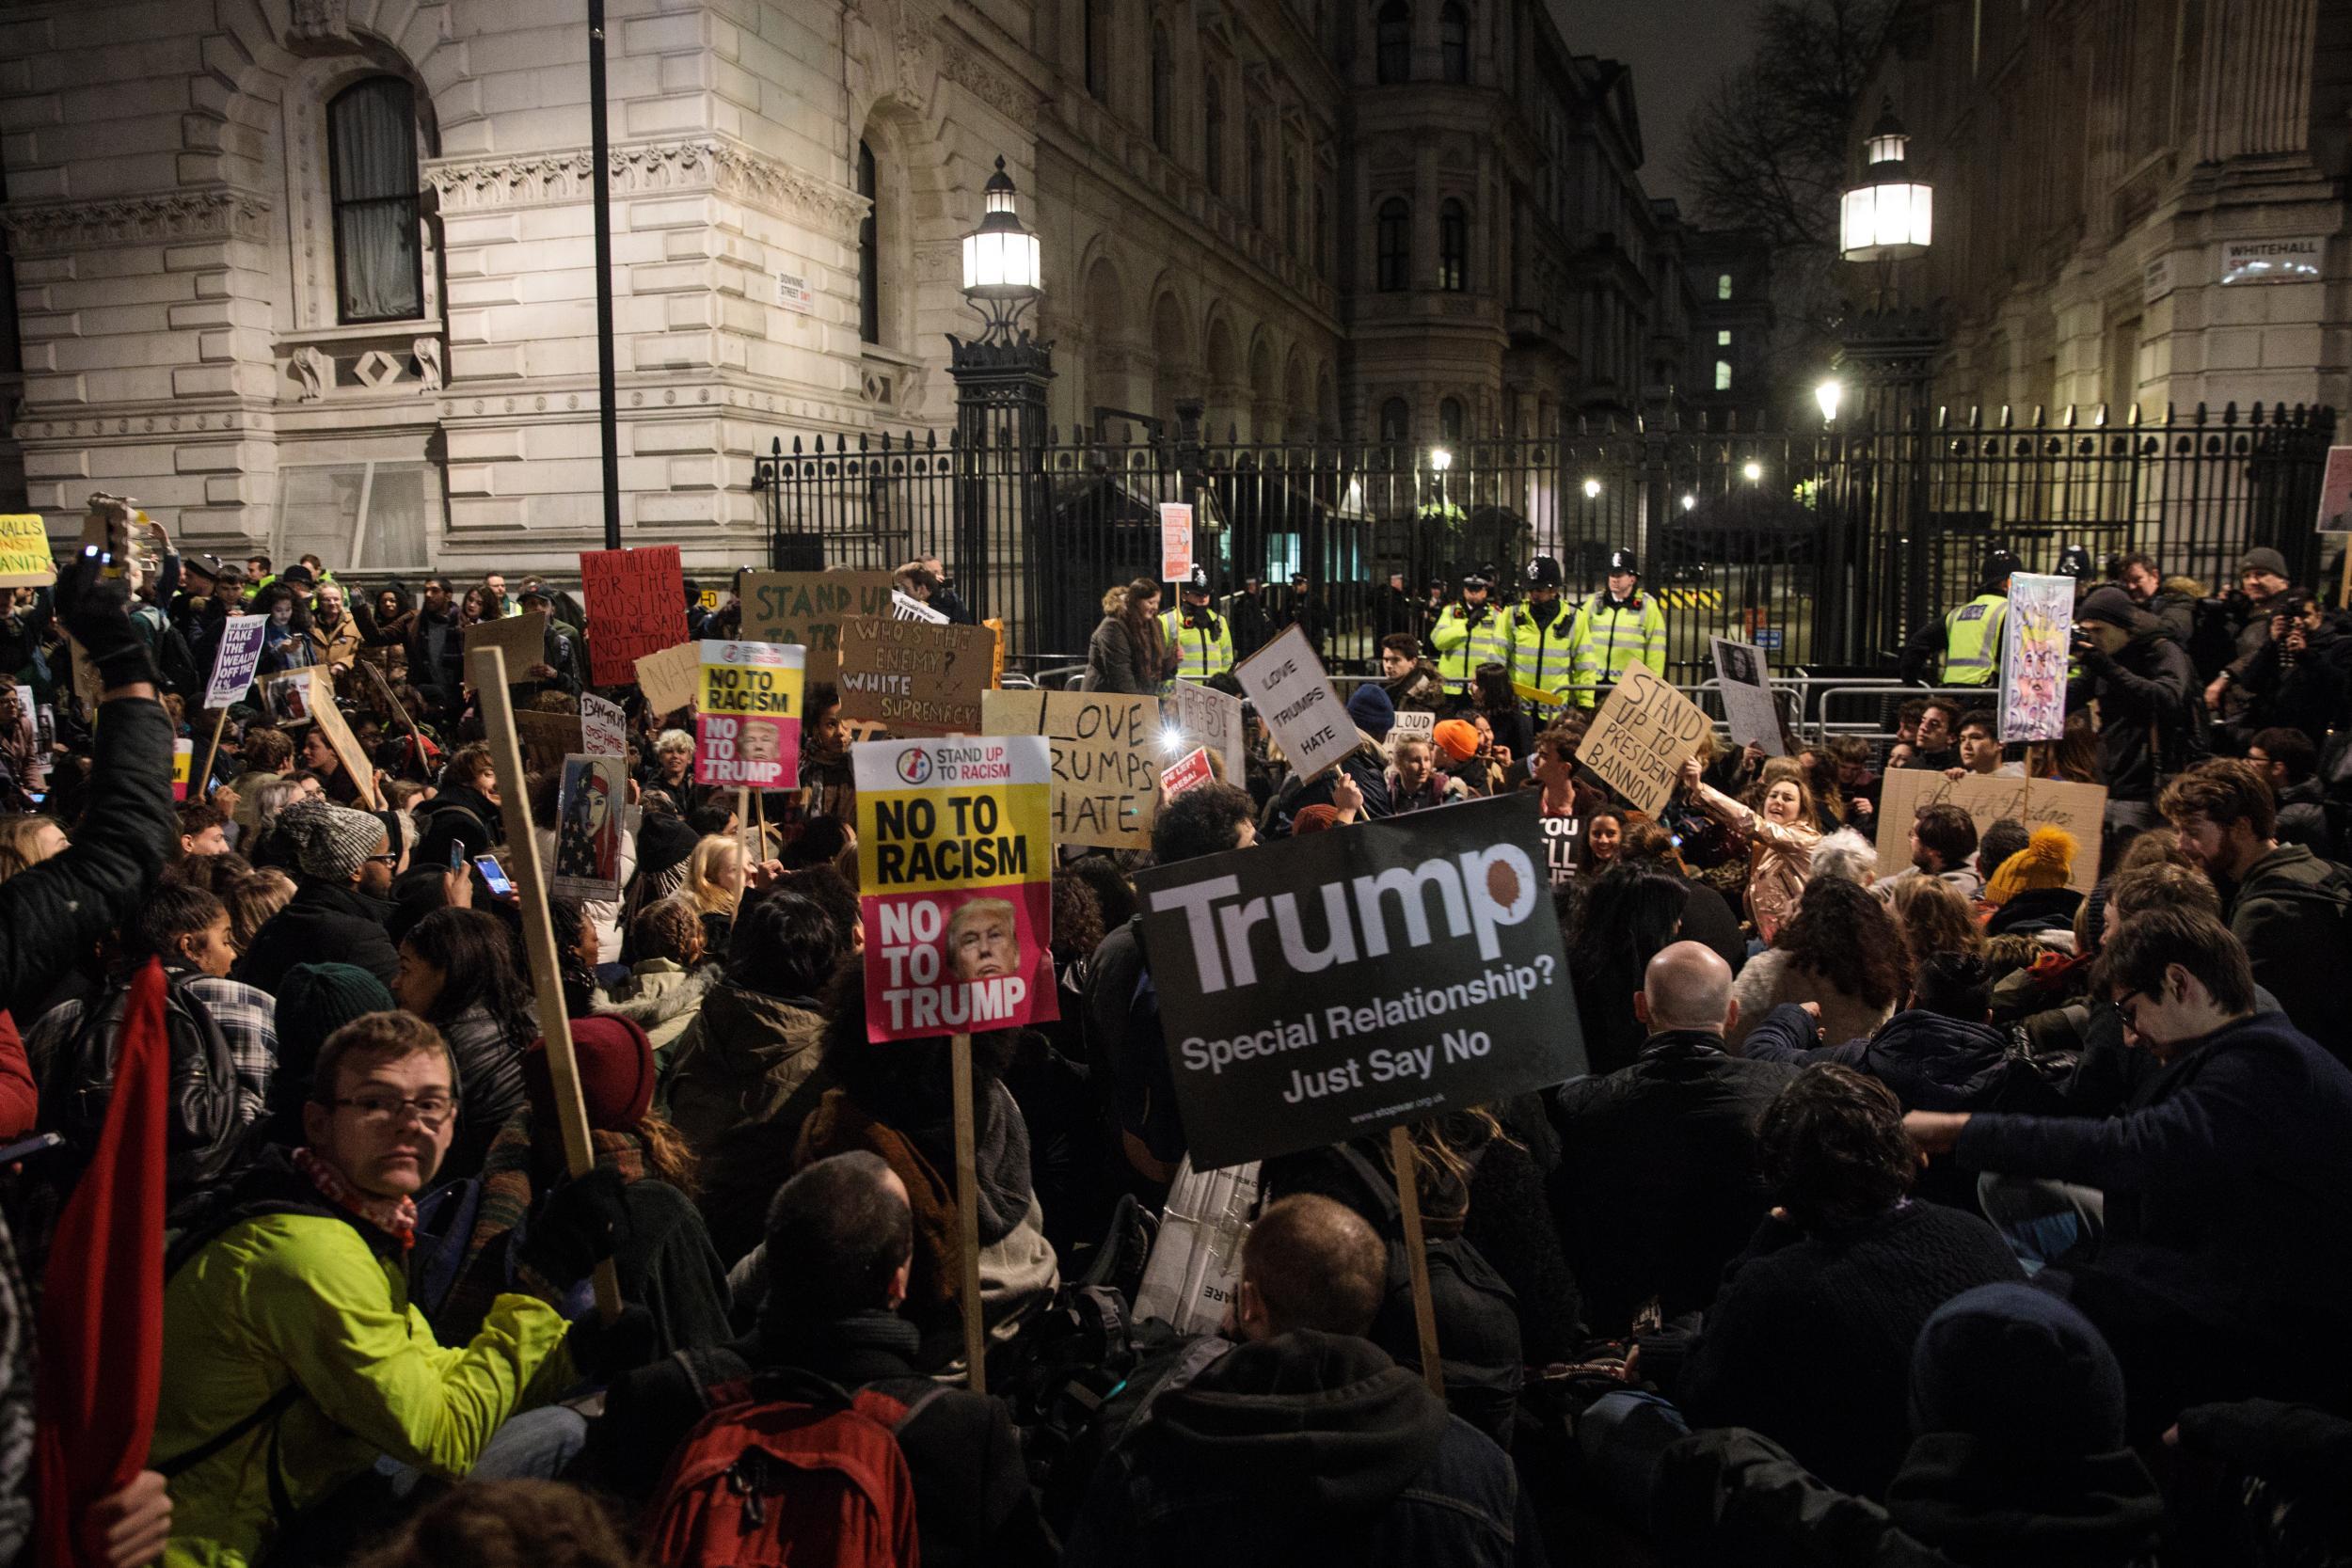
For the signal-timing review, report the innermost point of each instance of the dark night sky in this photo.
(1678, 48)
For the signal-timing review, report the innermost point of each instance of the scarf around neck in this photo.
(395, 1217)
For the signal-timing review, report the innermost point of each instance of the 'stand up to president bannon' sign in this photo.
(1350, 981)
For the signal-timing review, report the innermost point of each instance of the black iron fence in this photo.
(1826, 546)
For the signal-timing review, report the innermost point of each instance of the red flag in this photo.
(101, 1318)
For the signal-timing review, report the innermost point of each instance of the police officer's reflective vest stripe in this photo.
(1610, 636)
(1202, 651)
(1543, 655)
(1972, 641)
(1462, 648)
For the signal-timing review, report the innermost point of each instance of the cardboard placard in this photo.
(1189, 771)
(1208, 718)
(636, 606)
(27, 736)
(239, 655)
(2035, 636)
(2078, 808)
(603, 727)
(588, 804)
(915, 677)
(807, 607)
(747, 719)
(182, 764)
(287, 698)
(669, 678)
(346, 745)
(1107, 753)
(1296, 699)
(2335, 492)
(956, 883)
(548, 738)
(1641, 736)
(523, 639)
(1175, 541)
(1563, 836)
(25, 558)
(1292, 1015)
(1747, 690)
(1412, 724)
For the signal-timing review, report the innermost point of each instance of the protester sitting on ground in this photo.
(668, 982)
(313, 1001)
(293, 1362)
(1306, 1441)
(2288, 760)
(661, 1256)
(1934, 917)
(1939, 1053)
(1603, 836)
(2017, 1460)
(893, 1099)
(1847, 856)
(1809, 1341)
(841, 1246)
(344, 865)
(268, 755)
(252, 900)
(1981, 748)
(749, 1070)
(2290, 909)
(1628, 916)
(202, 831)
(1944, 847)
(1781, 838)
(2029, 891)
(1656, 1187)
(1413, 780)
(2228, 1164)
(506, 1524)
(715, 877)
(458, 972)
(1131, 1064)
(1705, 918)
(1841, 951)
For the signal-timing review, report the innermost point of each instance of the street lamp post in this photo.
(1000, 377)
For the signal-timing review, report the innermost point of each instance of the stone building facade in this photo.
(316, 274)
(2138, 202)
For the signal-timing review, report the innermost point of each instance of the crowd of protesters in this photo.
(1991, 1210)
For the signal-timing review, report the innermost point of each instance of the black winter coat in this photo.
(2294, 912)
(2150, 710)
(320, 924)
(1933, 1063)
(1656, 1187)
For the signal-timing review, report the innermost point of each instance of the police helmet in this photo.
(1199, 581)
(2075, 561)
(1623, 561)
(1476, 580)
(1543, 572)
(1998, 566)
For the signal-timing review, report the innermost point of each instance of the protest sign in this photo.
(1297, 701)
(1288, 1030)
(27, 740)
(1745, 681)
(747, 722)
(1207, 718)
(588, 804)
(2078, 808)
(239, 655)
(287, 698)
(548, 738)
(603, 727)
(25, 558)
(346, 745)
(1193, 1272)
(915, 677)
(636, 606)
(806, 608)
(669, 679)
(1562, 836)
(955, 869)
(1189, 771)
(1641, 736)
(2034, 635)
(523, 639)
(1175, 541)
(707, 598)
(904, 608)
(182, 763)
(2335, 493)
(1107, 753)
(1414, 724)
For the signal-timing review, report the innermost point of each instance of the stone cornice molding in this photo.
(715, 164)
(217, 213)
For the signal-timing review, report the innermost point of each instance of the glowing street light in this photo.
(1828, 395)
(1592, 489)
(1889, 217)
(1752, 472)
(1690, 502)
(1440, 459)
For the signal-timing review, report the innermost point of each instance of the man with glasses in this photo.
(344, 862)
(298, 1372)
(2229, 1185)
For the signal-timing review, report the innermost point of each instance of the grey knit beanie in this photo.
(330, 842)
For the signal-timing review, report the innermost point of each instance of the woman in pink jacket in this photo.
(1781, 839)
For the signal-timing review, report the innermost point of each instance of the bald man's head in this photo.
(1687, 986)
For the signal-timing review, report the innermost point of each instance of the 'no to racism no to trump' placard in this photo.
(1325, 987)
(747, 719)
(955, 868)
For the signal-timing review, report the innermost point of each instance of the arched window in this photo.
(1453, 247)
(1290, 205)
(1253, 153)
(372, 162)
(1162, 91)
(1450, 420)
(869, 250)
(1392, 58)
(1213, 139)
(1396, 421)
(1392, 242)
(1453, 41)
(1098, 47)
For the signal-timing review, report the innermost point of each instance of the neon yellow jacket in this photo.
(1543, 655)
(1609, 636)
(1972, 641)
(301, 1297)
(1202, 650)
(1462, 648)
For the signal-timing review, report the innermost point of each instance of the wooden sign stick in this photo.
(200, 785)
(410, 725)
(1416, 1256)
(968, 1218)
(488, 665)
